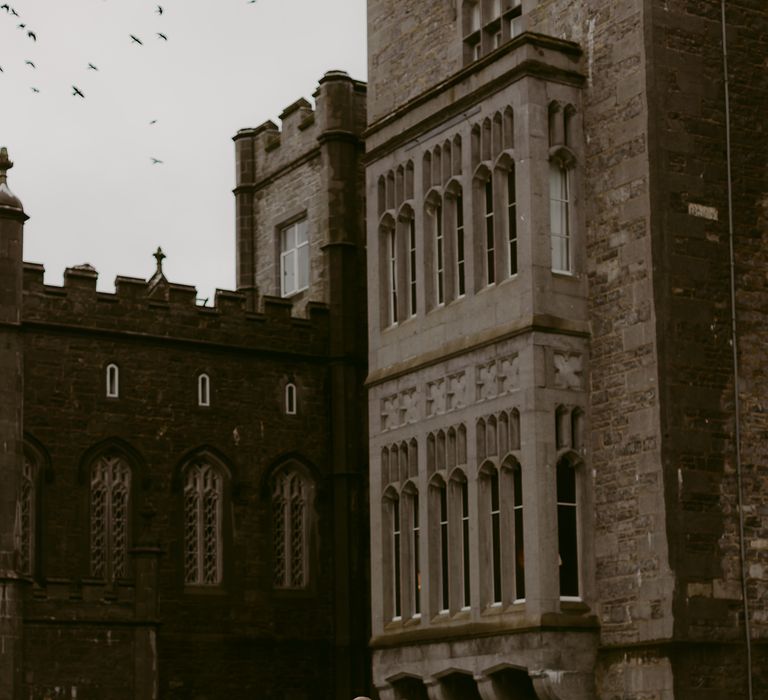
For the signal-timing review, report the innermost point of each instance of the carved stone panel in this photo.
(568, 370)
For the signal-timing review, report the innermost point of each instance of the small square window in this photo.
(294, 258)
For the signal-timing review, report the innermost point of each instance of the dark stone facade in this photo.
(147, 633)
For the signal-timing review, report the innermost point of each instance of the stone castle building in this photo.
(183, 508)
(568, 474)
(556, 212)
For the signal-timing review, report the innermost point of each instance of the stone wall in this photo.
(210, 638)
(693, 298)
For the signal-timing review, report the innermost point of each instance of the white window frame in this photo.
(415, 563)
(439, 238)
(567, 464)
(413, 303)
(461, 244)
(560, 217)
(294, 257)
(290, 399)
(113, 381)
(489, 231)
(512, 242)
(392, 275)
(203, 390)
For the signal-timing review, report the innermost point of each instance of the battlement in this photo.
(263, 151)
(162, 308)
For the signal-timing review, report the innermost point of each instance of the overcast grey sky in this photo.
(83, 166)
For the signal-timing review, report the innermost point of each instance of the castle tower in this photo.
(301, 238)
(12, 218)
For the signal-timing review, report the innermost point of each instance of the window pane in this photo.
(416, 570)
(568, 548)
(396, 557)
(566, 484)
(289, 238)
(289, 275)
(444, 599)
(303, 266)
(301, 232)
(465, 542)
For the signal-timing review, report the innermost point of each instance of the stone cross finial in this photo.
(5, 163)
(159, 255)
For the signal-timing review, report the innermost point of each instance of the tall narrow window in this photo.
(392, 269)
(518, 527)
(290, 500)
(203, 390)
(559, 217)
(444, 576)
(294, 258)
(439, 254)
(512, 220)
(290, 399)
(495, 532)
(203, 494)
(567, 529)
(415, 568)
(461, 285)
(490, 252)
(412, 265)
(113, 381)
(397, 608)
(27, 517)
(110, 494)
(465, 545)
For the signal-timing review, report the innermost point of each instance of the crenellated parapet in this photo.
(264, 151)
(171, 311)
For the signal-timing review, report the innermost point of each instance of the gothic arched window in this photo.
(203, 390)
(27, 512)
(113, 381)
(203, 496)
(291, 498)
(110, 502)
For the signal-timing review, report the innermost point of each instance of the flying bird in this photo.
(137, 40)
(76, 92)
(14, 13)
(34, 89)
(29, 63)
(159, 10)
(1, 69)
(156, 161)
(162, 36)
(21, 25)
(92, 67)
(32, 35)
(5, 7)
(154, 121)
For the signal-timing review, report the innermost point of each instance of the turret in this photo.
(12, 218)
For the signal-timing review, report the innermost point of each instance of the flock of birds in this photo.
(76, 91)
